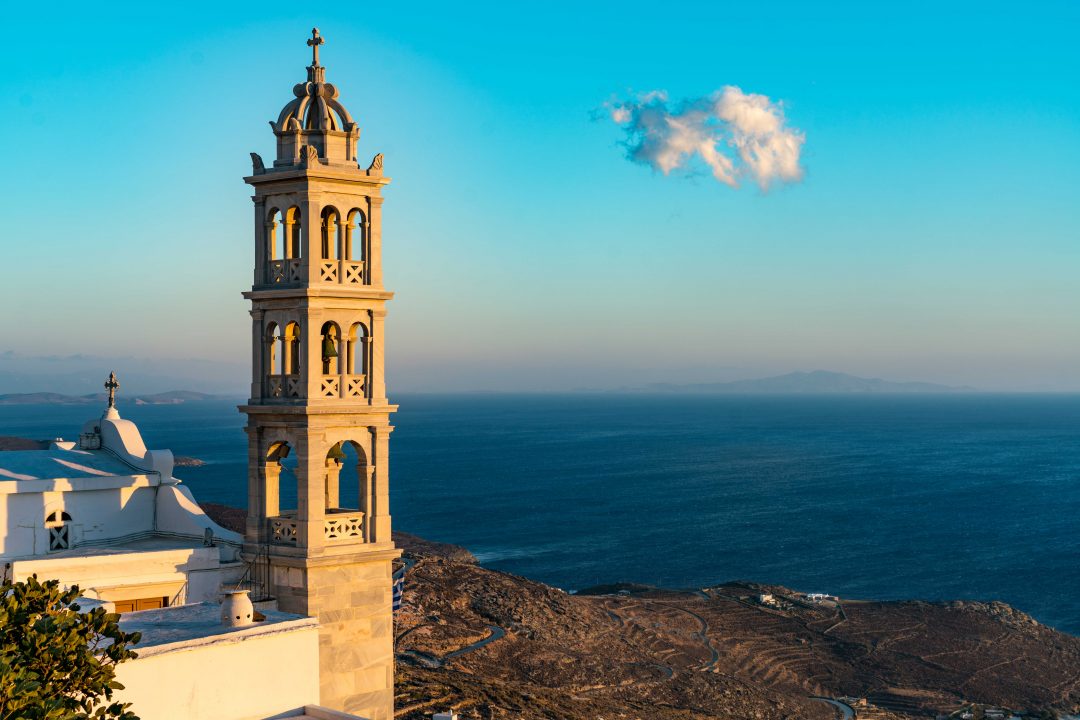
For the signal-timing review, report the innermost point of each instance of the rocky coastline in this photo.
(489, 644)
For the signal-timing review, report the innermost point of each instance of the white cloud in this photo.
(735, 134)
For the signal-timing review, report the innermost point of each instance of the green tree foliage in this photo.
(57, 663)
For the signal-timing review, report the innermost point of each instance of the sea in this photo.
(932, 497)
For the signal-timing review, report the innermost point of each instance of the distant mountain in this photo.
(76, 374)
(173, 397)
(818, 382)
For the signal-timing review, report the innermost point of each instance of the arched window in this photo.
(355, 236)
(275, 246)
(281, 494)
(292, 233)
(283, 248)
(331, 349)
(356, 353)
(347, 488)
(59, 531)
(330, 231)
(290, 350)
(273, 357)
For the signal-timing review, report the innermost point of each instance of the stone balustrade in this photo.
(349, 387)
(340, 525)
(284, 387)
(345, 272)
(283, 531)
(284, 271)
(344, 526)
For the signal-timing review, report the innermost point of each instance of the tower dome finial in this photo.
(315, 118)
(314, 43)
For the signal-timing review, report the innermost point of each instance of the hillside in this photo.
(710, 653)
(493, 645)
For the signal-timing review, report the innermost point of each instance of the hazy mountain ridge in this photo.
(172, 397)
(817, 382)
(76, 374)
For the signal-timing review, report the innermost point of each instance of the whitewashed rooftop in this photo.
(57, 463)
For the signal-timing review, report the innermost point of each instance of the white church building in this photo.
(106, 514)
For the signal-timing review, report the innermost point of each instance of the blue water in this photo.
(933, 497)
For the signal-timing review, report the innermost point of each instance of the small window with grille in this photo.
(59, 530)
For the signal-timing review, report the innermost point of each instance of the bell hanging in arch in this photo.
(336, 454)
(329, 348)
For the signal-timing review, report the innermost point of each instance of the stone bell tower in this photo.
(318, 398)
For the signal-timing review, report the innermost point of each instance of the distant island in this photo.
(173, 397)
(818, 382)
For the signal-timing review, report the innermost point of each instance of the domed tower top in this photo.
(315, 119)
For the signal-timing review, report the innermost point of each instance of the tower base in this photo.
(351, 595)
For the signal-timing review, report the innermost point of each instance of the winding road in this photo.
(845, 710)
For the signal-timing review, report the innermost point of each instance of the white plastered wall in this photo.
(245, 678)
(130, 575)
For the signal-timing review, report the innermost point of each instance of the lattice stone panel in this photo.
(354, 386)
(294, 271)
(274, 387)
(283, 531)
(344, 527)
(354, 273)
(294, 388)
(278, 271)
(328, 271)
(330, 387)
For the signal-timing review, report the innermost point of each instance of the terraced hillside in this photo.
(493, 645)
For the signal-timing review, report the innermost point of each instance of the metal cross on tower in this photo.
(111, 385)
(314, 43)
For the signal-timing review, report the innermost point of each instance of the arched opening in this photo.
(354, 248)
(291, 233)
(356, 361)
(57, 523)
(347, 486)
(331, 349)
(356, 354)
(355, 236)
(281, 492)
(283, 248)
(272, 357)
(275, 246)
(290, 350)
(330, 229)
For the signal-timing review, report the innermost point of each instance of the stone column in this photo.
(254, 525)
(374, 242)
(342, 241)
(333, 495)
(347, 241)
(310, 491)
(376, 369)
(259, 371)
(365, 473)
(312, 352)
(261, 256)
(380, 495)
(311, 233)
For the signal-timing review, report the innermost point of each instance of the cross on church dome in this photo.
(111, 386)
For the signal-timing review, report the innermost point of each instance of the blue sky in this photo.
(935, 234)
